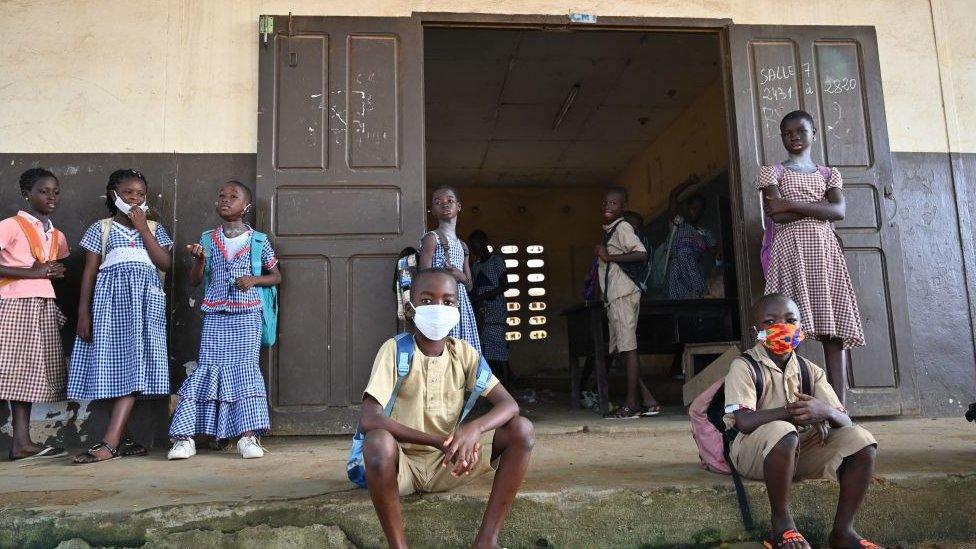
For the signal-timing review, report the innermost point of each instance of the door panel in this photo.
(340, 189)
(833, 73)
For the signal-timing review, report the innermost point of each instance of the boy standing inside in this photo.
(785, 435)
(622, 298)
(420, 447)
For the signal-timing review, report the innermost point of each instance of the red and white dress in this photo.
(807, 261)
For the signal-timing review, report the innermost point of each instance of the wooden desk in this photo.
(663, 327)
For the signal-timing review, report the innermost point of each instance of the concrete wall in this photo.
(170, 87)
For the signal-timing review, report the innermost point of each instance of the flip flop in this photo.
(130, 448)
(88, 456)
(45, 453)
(650, 411)
(788, 537)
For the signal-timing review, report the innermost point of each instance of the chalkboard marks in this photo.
(843, 121)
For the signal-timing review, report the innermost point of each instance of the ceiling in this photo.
(492, 97)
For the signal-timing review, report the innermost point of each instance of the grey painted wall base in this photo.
(183, 188)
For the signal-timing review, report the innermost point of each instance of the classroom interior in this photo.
(532, 125)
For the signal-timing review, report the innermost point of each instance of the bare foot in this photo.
(26, 451)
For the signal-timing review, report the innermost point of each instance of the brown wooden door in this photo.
(834, 74)
(340, 188)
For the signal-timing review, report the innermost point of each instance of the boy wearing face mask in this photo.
(421, 447)
(784, 435)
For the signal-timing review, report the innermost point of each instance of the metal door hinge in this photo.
(266, 27)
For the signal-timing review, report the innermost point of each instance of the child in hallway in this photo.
(32, 364)
(622, 298)
(441, 248)
(120, 352)
(420, 446)
(225, 396)
(490, 284)
(807, 260)
(785, 435)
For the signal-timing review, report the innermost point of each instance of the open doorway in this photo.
(531, 126)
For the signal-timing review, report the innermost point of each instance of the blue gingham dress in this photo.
(127, 353)
(225, 396)
(467, 328)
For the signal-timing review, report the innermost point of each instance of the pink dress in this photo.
(807, 261)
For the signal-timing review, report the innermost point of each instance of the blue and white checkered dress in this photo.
(127, 353)
(225, 396)
(467, 329)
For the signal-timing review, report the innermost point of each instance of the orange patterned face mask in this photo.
(781, 339)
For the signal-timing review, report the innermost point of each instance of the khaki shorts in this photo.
(424, 471)
(622, 318)
(749, 451)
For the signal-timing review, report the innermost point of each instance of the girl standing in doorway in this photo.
(120, 352)
(807, 260)
(442, 248)
(32, 365)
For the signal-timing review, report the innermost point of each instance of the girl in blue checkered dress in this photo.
(442, 248)
(120, 352)
(225, 397)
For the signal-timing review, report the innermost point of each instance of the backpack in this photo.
(637, 271)
(661, 259)
(714, 439)
(106, 228)
(403, 279)
(769, 226)
(355, 465)
(269, 294)
(36, 247)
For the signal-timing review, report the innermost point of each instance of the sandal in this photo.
(865, 544)
(623, 412)
(788, 537)
(88, 456)
(130, 448)
(47, 452)
(650, 411)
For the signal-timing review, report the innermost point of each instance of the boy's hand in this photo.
(821, 433)
(462, 449)
(808, 410)
(601, 252)
(245, 283)
(195, 251)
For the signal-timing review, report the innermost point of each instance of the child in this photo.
(490, 285)
(787, 435)
(225, 395)
(32, 365)
(622, 298)
(120, 352)
(420, 447)
(806, 260)
(442, 248)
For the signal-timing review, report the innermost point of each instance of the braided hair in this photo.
(117, 177)
(29, 178)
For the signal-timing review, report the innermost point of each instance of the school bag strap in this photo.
(757, 375)
(480, 384)
(36, 247)
(355, 464)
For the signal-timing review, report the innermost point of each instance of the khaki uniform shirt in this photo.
(432, 395)
(780, 386)
(623, 241)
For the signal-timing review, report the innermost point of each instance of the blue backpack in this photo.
(355, 466)
(269, 295)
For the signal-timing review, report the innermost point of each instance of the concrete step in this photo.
(638, 486)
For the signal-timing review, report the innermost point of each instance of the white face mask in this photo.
(436, 321)
(125, 207)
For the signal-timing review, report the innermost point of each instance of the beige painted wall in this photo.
(695, 144)
(181, 75)
(567, 222)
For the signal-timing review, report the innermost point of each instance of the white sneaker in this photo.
(182, 449)
(250, 447)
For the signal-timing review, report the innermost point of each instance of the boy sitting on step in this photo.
(785, 435)
(422, 446)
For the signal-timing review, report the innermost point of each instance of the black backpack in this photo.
(716, 416)
(637, 271)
